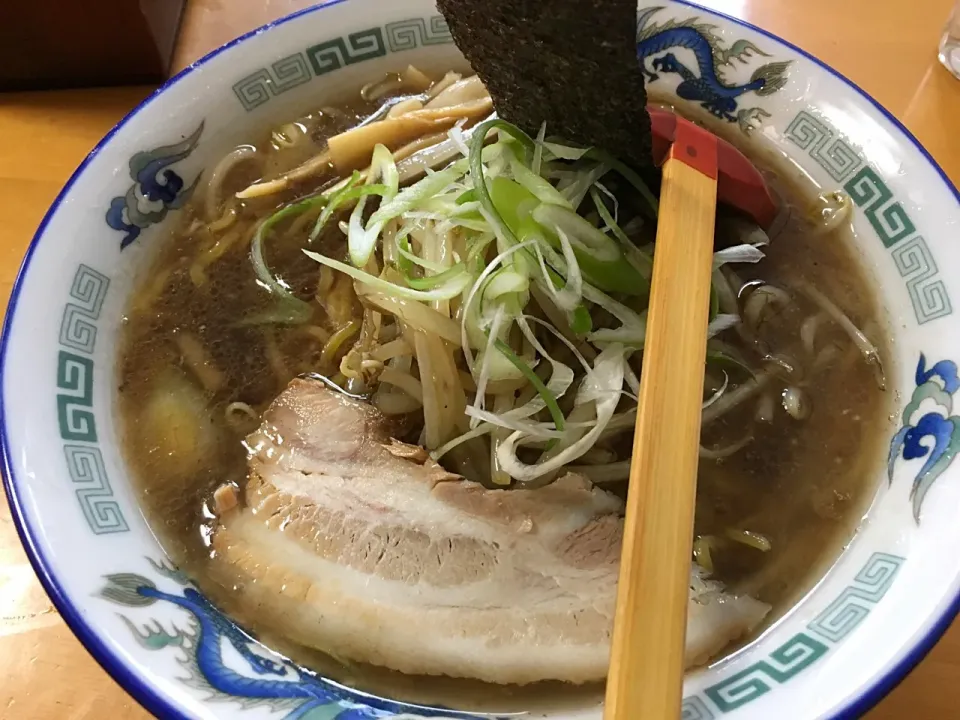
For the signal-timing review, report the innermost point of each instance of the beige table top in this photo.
(44, 671)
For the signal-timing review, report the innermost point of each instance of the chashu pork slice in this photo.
(360, 546)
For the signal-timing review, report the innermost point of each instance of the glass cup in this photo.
(950, 43)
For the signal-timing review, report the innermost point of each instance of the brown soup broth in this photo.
(802, 485)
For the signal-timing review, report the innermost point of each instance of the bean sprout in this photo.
(762, 300)
(214, 195)
(766, 406)
(736, 397)
(239, 415)
(795, 402)
(727, 450)
(751, 539)
(869, 351)
(834, 209)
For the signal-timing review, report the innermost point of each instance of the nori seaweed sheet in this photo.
(571, 63)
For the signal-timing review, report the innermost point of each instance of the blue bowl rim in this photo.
(122, 673)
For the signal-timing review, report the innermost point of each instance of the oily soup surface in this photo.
(188, 358)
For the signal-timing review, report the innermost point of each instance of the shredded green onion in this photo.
(431, 282)
(607, 217)
(726, 361)
(538, 151)
(351, 191)
(452, 287)
(535, 184)
(406, 259)
(548, 398)
(480, 184)
(361, 240)
(630, 175)
(564, 152)
(291, 310)
(410, 197)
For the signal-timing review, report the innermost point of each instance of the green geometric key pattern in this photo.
(802, 650)
(354, 48)
(833, 153)
(75, 414)
(258, 87)
(795, 655)
(694, 708)
(855, 602)
(411, 34)
(928, 294)
(890, 221)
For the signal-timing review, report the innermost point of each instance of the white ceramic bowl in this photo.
(883, 604)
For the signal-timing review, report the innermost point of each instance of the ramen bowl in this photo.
(889, 595)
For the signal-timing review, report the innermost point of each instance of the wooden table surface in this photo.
(888, 47)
